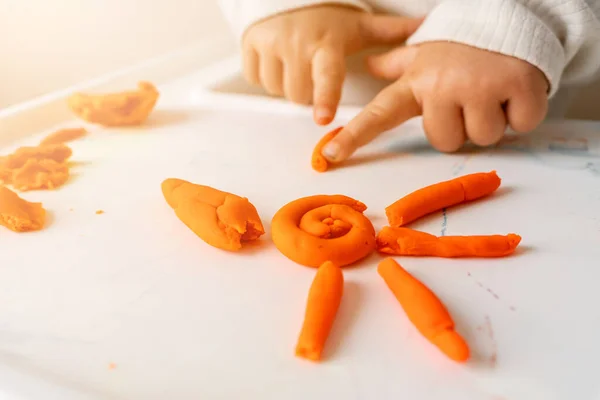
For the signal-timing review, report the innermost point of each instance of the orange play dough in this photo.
(64, 135)
(425, 310)
(316, 229)
(221, 219)
(18, 214)
(409, 242)
(318, 162)
(116, 109)
(324, 298)
(40, 174)
(41, 167)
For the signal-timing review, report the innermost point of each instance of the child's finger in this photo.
(444, 125)
(328, 72)
(297, 81)
(526, 110)
(485, 122)
(271, 73)
(393, 64)
(391, 107)
(250, 64)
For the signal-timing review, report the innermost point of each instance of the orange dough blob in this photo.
(316, 229)
(41, 167)
(116, 109)
(221, 219)
(318, 162)
(40, 174)
(18, 214)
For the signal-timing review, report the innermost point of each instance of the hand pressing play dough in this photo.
(316, 229)
(221, 219)
(18, 214)
(116, 109)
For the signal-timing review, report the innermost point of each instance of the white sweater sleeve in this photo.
(241, 14)
(560, 37)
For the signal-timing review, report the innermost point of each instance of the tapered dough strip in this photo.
(323, 302)
(441, 195)
(424, 309)
(409, 242)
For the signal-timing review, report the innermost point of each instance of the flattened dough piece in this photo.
(57, 152)
(20, 215)
(41, 167)
(40, 174)
(116, 109)
(64, 135)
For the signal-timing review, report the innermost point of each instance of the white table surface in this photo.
(180, 320)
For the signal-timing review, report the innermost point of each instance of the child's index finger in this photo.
(391, 107)
(328, 73)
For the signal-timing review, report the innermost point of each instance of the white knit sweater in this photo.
(560, 37)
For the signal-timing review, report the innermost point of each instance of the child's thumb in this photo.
(393, 64)
(383, 29)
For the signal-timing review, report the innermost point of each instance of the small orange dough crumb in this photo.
(315, 229)
(318, 162)
(112, 366)
(64, 135)
(18, 214)
(116, 109)
(98, 212)
(324, 298)
(223, 220)
(41, 167)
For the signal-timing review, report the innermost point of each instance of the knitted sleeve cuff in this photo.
(502, 26)
(243, 14)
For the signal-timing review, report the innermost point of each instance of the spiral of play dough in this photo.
(313, 230)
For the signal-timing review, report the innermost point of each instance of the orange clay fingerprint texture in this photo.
(318, 162)
(424, 309)
(34, 168)
(441, 195)
(409, 242)
(223, 220)
(324, 298)
(20, 215)
(315, 229)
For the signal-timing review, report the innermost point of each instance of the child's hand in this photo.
(461, 91)
(300, 54)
